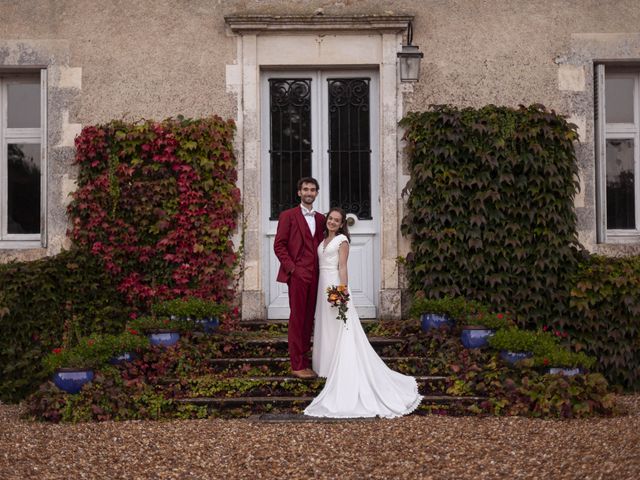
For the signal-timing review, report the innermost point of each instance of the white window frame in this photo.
(36, 135)
(615, 131)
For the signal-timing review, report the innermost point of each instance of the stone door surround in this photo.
(295, 41)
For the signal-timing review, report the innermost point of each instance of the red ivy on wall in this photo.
(158, 202)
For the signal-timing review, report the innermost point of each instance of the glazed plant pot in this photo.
(435, 320)
(475, 337)
(566, 371)
(164, 339)
(123, 358)
(209, 325)
(71, 380)
(513, 357)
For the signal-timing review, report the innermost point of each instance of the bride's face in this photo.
(334, 221)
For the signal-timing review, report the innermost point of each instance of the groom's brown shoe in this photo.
(305, 374)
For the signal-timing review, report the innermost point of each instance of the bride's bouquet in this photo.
(338, 296)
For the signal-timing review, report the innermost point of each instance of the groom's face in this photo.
(308, 193)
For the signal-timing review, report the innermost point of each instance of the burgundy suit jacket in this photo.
(293, 231)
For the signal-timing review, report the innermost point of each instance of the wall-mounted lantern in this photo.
(410, 59)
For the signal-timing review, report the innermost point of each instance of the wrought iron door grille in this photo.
(290, 140)
(350, 146)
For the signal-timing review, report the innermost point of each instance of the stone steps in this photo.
(269, 386)
(269, 360)
(221, 402)
(280, 365)
(249, 374)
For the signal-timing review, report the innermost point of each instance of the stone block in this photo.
(253, 305)
(571, 78)
(390, 304)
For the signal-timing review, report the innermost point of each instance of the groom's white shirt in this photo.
(310, 217)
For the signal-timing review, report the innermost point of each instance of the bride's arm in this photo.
(343, 256)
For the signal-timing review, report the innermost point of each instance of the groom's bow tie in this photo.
(309, 214)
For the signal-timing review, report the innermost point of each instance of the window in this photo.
(22, 160)
(617, 153)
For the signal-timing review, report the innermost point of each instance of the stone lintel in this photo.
(279, 23)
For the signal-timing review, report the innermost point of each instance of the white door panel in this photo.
(317, 147)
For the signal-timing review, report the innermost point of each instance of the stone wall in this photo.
(136, 59)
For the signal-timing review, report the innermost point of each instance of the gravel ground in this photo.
(407, 448)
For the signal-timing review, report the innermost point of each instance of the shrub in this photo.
(157, 201)
(494, 321)
(605, 316)
(490, 207)
(516, 340)
(562, 357)
(152, 323)
(453, 307)
(190, 307)
(36, 299)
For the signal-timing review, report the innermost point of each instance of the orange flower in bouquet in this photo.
(338, 296)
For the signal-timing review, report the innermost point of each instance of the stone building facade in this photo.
(69, 63)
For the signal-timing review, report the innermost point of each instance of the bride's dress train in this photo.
(359, 383)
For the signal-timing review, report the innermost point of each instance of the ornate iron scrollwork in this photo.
(290, 139)
(350, 145)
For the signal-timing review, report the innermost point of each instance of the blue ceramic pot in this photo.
(71, 380)
(164, 339)
(513, 357)
(434, 320)
(475, 337)
(568, 372)
(122, 358)
(209, 325)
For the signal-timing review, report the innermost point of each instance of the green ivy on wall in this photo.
(490, 207)
(605, 320)
(36, 299)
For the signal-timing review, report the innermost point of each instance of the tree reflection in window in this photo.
(23, 202)
(620, 185)
(290, 140)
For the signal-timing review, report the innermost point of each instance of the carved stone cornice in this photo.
(315, 23)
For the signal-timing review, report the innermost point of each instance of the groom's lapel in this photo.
(302, 225)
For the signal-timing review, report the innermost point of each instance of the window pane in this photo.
(23, 188)
(619, 99)
(23, 109)
(290, 140)
(620, 185)
(350, 146)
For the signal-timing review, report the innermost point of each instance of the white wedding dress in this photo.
(359, 384)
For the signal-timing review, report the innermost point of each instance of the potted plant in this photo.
(123, 347)
(436, 313)
(481, 325)
(515, 344)
(161, 331)
(561, 361)
(203, 313)
(73, 367)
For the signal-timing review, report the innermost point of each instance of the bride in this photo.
(359, 384)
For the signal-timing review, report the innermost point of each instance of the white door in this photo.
(324, 124)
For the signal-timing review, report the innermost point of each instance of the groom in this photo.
(300, 231)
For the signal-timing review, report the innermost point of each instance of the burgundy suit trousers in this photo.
(303, 288)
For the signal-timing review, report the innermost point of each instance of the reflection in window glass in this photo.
(23, 190)
(23, 105)
(290, 147)
(619, 99)
(620, 185)
(350, 146)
